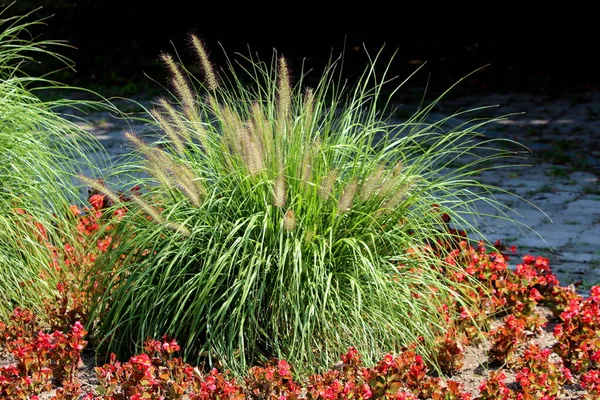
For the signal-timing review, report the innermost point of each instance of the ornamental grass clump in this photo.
(40, 153)
(284, 221)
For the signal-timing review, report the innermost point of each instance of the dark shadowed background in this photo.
(117, 42)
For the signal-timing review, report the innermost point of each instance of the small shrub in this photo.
(449, 351)
(494, 388)
(281, 220)
(506, 338)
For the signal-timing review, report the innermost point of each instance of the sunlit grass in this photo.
(287, 222)
(40, 153)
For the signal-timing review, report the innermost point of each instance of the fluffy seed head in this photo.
(168, 172)
(155, 215)
(305, 171)
(214, 105)
(139, 144)
(394, 200)
(289, 220)
(309, 236)
(254, 152)
(189, 183)
(156, 159)
(309, 103)
(233, 129)
(182, 88)
(210, 78)
(168, 129)
(261, 128)
(157, 162)
(175, 118)
(371, 185)
(326, 189)
(283, 93)
(391, 181)
(345, 201)
(98, 186)
(397, 168)
(279, 191)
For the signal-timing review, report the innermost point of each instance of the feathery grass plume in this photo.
(100, 187)
(284, 96)
(145, 206)
(289, 220)
(255, 151)
(248, 150)
(245, 288)
(176, 119)
(190, 183)
(210, 78)
(177, 228)
(262, 129)
(391, 180)
(309, 105)
(345, 201)
(245, 145)
(182, 88)
(397, 170)
(214, 106)
(160, 164)
(316, 145)
(185, 179)
(372, 184)
(309, 235)
(305, 170)
(401, 194)
(157, 218)
(326, 188)
(233, 129)
(168, 129)
(279, 196)
(156, 162)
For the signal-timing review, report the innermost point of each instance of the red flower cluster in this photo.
(538, 376)
(157, 374)
(449, 351)
(591, 382)
(51, 354)
(505, 339)
(579, 333)
(39, 358)
(494, 388)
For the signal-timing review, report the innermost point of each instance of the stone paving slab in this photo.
(562, 179)
(564, 135)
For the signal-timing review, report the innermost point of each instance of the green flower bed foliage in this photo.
(39, 150)
(286, 222)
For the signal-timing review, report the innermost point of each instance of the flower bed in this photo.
(285, 240)
(45, 358)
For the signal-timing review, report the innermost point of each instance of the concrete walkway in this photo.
(562, 181)
(564, 136)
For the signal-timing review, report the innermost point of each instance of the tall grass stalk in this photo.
(40, 152)
(308, 229)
